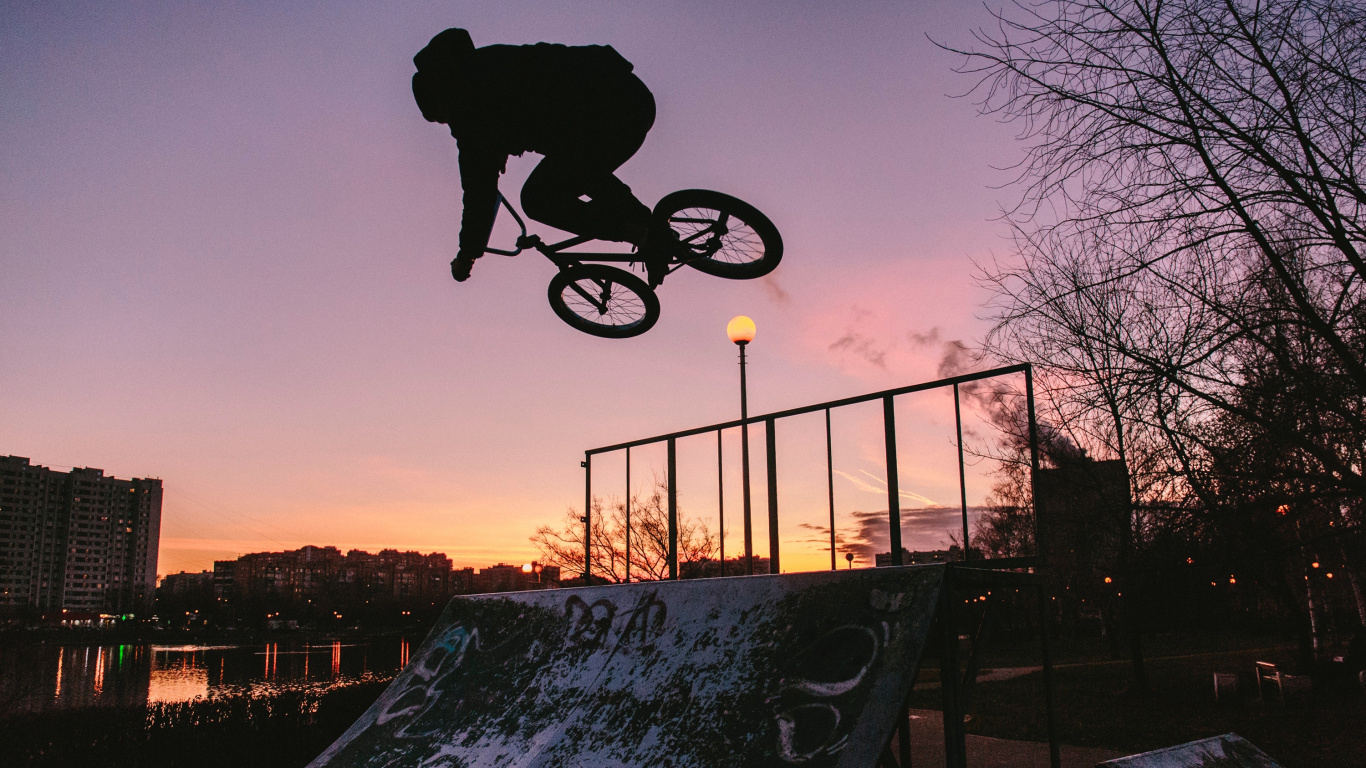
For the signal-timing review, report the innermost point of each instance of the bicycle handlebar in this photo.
(520, 223)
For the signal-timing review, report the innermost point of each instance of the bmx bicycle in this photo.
(715, 234)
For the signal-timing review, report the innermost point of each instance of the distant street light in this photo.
(740, 330)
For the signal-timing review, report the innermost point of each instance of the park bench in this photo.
(1226, 687)
(1287, 687)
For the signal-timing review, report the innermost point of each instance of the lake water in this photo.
(38, 678)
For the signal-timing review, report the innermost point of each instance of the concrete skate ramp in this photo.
(1227, 751)
(806, 669)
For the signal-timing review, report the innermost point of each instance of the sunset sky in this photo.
(225, 231)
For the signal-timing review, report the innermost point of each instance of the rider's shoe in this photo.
(656, 267)
(663, 249)
(460, 269)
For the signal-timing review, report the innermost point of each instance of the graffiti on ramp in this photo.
(793, 670)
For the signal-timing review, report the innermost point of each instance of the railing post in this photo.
(628, 514)
(673, 509)
(830, 485)
(771, 440)
(949, 681)
(962, 478)
(1050, 709)
(744, 467)
(721, 500)
(893, 484)
(1054, 750)
(587, 518)
(903, 737)
(1033, 455)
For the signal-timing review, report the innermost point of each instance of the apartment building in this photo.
(77, 540)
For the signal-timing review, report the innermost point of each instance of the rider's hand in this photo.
(460, 268)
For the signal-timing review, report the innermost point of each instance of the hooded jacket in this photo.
(503, 100)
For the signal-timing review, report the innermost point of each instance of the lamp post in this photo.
(740, 329)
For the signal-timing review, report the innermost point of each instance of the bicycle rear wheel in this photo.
(728, 237)
(603, 301)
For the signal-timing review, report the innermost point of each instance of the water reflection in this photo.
(38, 678)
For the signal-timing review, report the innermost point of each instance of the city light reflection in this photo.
(42, 678)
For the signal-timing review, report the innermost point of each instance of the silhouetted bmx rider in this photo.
(578, 106)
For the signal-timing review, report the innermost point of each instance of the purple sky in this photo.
(224, 238)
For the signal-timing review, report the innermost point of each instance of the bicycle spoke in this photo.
(619, 308)
(722, 235)
(708, 230)
(695, 235)
(599, 304)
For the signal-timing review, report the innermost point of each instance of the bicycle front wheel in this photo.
(727, 237)
(604, 301)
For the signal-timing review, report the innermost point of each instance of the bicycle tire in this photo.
(603, 301)
(750, 250)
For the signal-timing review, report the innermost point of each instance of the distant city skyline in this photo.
(225, 233)
(923, 528)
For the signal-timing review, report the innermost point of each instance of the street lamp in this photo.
(740, 329)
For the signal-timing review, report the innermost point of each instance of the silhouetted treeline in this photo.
(1188, 272)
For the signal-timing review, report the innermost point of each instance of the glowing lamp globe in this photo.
(740, 329)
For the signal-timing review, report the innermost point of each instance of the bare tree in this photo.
(1191, 196)
(1182, 149)
(649, 538)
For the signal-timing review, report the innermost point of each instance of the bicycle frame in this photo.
(556, 252)
(690, 227)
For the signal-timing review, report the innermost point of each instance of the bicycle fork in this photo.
(604, 296)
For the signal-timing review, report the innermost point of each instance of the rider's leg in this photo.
(554, 192)
(551, 195)
(590, 149)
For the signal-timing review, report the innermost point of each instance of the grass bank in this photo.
(285, 730)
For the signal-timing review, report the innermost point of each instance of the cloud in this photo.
(819, 537)
(879, 485)
(774, 290)
(857, 342)
(957, 359)
(922, 529)
(862, 346)
(926, 339)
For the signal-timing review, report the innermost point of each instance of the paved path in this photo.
(989, 676)
(998, 674)
(927, 748)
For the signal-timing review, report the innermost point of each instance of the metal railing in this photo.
(769, 421)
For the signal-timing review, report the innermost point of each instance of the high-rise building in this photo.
(1083, 509)
(77, 540)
